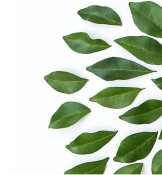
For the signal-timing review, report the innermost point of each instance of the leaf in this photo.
(142, 47)
(100, 15)
(97, 167)
(65, 82)
(146, 113)
(116, 97)
(130, 169)
(158, 82)
(82, 43)
(88, 143)
(157, 163)
(135, 147)
(147, 17)
(116, 68)
(68, 114)
(160, 137)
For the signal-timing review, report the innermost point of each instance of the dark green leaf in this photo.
(97, 167)
(116, 97)
(157, 163)
(82, 43)
(88, 143)
(146, 113)
(115, 68)
(100, 15)
(135, 147)
(158, 82)
(143, 48)
(65, 82)
(147, 16)
(160, 137)
(68, 114)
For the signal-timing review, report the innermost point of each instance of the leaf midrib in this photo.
(67, 80)
(135, 168)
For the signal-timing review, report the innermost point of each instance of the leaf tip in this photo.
(91, 99)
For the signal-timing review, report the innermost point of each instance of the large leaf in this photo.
(88, 143)
(142, 47)
(65, 82)
(115, 68)
(147, 16)
(100, 15)
(160, 137)
(97, 167)
(135, 147)
(68, 114)
(135, 168)
(116, 97)
(158, 82)
(146, 113)
(157, 163)
(82, 43)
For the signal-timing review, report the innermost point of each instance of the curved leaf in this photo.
(158, 82)
(82, 43)
(146, 113)
(157, 163)
(142, 47)
(116, 97)
(135, 147)
(88, 143)
(65, 82)
(68, 114)
(160, 137)
(97, 167)
(115, 68)
(100, 15)
(147, 17)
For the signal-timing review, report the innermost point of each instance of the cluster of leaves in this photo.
(148, 18)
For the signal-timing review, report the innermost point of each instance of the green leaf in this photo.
(68, 114)
(142, 47)
(158, 82)
(146, 113)
(147, 16)
(88, 143)
(82, 43)
(135, 147)
(160, 137)
(65, 82)
(157, 163)
(115, 68)
(130, 169)
(116, 97)
(100, 15)
(97, 167)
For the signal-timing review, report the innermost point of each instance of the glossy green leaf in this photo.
(130, 169)
(160, 137)
(82, 43)
(157, 163)
(65, 82)
(147, 16)
(158, 82)
(68, 114)
(88, 143)
(115, 68)
(135, 147)
(116, 97)
(100, 15)
(142, 47)
(146, 113)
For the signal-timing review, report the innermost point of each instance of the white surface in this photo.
(38, 50)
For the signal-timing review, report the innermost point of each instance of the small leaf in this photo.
(158, 82)
(65, 82)
(116, 97)
(100, 15)
(130, 169)
(146, 113)
(68, 114)
(97, 167)
(160, 137)
(88, 143)
(135, 147)
(147, 17)
(115, 68)
(82, 43)
(142, 47)
(157, 163)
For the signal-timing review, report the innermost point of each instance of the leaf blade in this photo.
(157, 163)
(160, 137)
(158, 82)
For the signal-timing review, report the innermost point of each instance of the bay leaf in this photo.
(160, 137)
(157, 163)
(135, 147)
(82, 43)
(158, 82)
(68, 114)
(88, 143)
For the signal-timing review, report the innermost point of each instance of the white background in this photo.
(39, 50)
